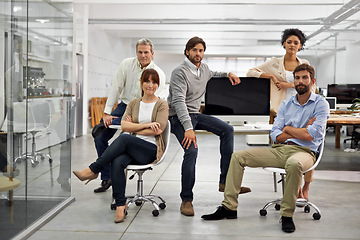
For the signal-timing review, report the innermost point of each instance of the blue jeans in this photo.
(126, 149)
(210, 124)
(101, 141)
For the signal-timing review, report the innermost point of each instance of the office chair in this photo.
(355, 137)
(19, 123)
(300, 201)
(139, 198)
(38, 120)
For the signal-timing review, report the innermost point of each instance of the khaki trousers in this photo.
(294, 159)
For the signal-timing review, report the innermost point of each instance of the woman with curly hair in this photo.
(280, 72)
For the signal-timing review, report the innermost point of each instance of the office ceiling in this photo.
(230, 28)
(239, 28)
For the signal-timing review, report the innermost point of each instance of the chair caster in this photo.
(263, 212)
(50, 160)
(277, 207)
(162, 205)
(307, 209)
(138, 203)
(316, 216)
(155, 213)
(34, 164)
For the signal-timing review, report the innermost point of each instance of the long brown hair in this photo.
(146, 75)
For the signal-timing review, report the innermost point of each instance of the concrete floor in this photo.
(336, 191)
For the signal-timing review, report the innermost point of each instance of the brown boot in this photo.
(242, 191)
(186, 208)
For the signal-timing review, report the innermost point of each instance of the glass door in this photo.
(35, 111)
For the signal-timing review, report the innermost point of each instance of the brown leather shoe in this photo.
(242, 191)
(186, 208)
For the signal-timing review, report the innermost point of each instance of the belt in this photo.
(288, 143)
(292, 143)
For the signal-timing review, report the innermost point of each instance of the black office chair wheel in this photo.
(316, 216)
(277, 207)
(50, 160)
(307, 209)
(155, 213)
(162, 205)
(263, 212)
(138, 203)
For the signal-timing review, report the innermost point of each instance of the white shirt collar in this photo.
(147, 67)
(193, 68)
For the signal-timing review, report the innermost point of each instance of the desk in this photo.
(339, 120)
(247, 129)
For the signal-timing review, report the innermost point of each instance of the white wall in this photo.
(168, 62)
(105, 55)
(347, 66)
(352, 67)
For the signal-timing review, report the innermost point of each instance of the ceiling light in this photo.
(42, 20)
(17, 8)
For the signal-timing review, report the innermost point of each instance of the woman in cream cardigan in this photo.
(280, 72)
(145, 119)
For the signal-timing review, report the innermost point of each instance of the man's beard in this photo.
(194, 61)
(303, 90)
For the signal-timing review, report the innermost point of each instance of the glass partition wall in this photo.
(36, 107)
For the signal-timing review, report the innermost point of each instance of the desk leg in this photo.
(337, 136)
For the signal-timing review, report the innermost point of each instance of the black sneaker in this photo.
(105, 184)
(221, 213)
(287, 224)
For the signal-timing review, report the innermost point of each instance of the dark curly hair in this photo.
(296, 32)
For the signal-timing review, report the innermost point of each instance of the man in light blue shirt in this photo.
(298, 131)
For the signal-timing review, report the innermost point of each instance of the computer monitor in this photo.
(248, 101)
(344, 93)
(332, 103)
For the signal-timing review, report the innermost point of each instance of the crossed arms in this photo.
(298, 133)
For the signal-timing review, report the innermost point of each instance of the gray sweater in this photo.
(186, 91)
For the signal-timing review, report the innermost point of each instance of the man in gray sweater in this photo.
(187, 87)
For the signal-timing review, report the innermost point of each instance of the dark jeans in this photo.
(126, 149)
(101, 141)
(210, 124)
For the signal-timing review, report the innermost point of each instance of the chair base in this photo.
(33, 158)
(300, 202)
(139, 198)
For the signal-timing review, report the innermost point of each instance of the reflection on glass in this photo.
(35, 109)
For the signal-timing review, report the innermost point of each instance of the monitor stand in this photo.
(342, 107)
(240, 120)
